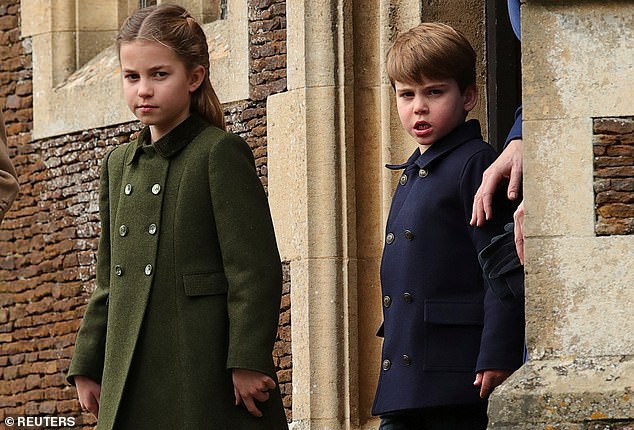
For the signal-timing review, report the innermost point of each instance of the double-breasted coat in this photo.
(188, 284)
(440, 323)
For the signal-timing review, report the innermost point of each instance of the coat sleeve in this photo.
(502, 342)
(88, 356)
(516, 129)
(249, 253)
(8, 178)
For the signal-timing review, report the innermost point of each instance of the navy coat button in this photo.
(389, 238)
(423, 173)
(128, 189)
(118, 270)
(123, 230)
(148, 269)
(408, 298)
(156, 188)
(403, 179)
(386, 364)
(406, 360)
(387, 301)
(152, 229)
(408, 235)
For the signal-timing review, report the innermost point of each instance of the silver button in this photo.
(387, 301)
(152, 229)
(118, 270)
(128, 189)
(156, 188)
(389, 238)
(403, 179)
(406, 360)
(123, 230)
(386, 364)
(423, 173)
(408, 298)
(148, 269)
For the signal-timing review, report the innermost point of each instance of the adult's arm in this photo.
(8, 178)
(509, 166)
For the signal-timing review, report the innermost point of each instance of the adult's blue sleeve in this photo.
(516, 130)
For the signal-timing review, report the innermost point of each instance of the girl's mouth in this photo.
(146, 108)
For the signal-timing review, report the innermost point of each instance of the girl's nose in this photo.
(145, 88)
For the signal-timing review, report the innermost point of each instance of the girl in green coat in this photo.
(180, 328)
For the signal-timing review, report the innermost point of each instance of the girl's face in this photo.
(156, 85)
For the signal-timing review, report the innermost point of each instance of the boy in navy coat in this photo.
(442, 327)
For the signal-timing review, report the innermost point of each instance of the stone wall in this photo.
(613, 142)
(49, 237)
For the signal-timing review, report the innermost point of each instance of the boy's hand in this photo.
(88, 392)
(489, 379)
(507, 165)
(249, 386)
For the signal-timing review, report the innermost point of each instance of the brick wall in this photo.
(49, 238)
(613, 145)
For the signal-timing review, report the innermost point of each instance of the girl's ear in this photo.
(196, 78)
(470, 97)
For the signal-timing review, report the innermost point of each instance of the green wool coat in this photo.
(188, 285)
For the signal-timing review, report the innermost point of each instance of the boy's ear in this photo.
(196, 78)
(470, 97)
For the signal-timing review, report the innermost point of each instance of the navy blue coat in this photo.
(441, 325)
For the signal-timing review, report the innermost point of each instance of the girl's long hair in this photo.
(174, 27)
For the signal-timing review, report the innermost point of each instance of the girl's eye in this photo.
(130, 76)
(160, 74)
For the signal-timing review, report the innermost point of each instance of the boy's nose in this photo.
(420, 105)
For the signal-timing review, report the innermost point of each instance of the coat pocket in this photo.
(452, 335)
(205, 284)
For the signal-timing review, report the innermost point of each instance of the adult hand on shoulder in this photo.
(518, 218)
(248, 386)
(507, 165)
(489, 379)
(88, 392)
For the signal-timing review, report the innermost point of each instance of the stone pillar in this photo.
(578, 67)
(308, 156)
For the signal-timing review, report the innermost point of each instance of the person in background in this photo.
(508, 165)
(9, 187)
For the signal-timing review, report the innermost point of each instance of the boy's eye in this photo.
(160, 74)
(130, 76)
(407, 94)
(435, 92)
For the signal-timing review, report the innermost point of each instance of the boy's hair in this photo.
(432, 50)
(174, 27)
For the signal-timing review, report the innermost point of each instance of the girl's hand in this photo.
(249, 386)
(88, 392)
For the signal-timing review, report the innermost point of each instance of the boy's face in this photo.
(430, 109)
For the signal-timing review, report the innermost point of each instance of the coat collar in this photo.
(463, 133)
(170, 144)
